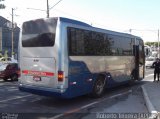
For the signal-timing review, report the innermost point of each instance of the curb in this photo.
(151, 109)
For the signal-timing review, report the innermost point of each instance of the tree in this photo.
(152, 44)
(2, 6)
(6, 53)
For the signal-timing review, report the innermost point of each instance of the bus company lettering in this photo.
(37, 73)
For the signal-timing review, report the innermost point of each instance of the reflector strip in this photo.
(37, 73)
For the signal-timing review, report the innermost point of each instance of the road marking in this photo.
(13, 89)
(36, 100)
(149, 75)
(120, 94)
(18, 97)
(8, 84)
(90, 104)
(4, 89)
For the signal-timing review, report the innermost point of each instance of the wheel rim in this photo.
(99, 86)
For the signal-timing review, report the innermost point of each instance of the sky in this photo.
(141, 16)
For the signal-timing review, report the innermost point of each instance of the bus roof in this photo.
(67, 20)
(76, 22)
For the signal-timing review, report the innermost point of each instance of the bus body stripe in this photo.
(37, 73)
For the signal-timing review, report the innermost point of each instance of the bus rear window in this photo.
(39, 33)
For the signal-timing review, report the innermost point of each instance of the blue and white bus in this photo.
(65, 58)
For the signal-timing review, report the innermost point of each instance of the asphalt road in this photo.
(121, 99)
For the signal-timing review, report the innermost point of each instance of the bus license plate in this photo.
(37, 78)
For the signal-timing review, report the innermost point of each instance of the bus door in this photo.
(136, 55)
(139, 59)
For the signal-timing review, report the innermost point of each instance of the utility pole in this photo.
(158, 45)
(47, 9)
(130, 30)
(12, 32)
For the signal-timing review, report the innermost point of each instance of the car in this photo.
(149, 61)
(7, 60)
(9, 71)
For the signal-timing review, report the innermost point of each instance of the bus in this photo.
(66, 58)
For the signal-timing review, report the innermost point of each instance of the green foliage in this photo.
(6, 53)
(152, 44)
(13, 53)
(1, 54)
(2, 6)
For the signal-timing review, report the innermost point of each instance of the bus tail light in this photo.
(60, 76)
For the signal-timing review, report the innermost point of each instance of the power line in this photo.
(153, 30)
(87, 21)
(36, 9)
(55, 4)
(48, 9)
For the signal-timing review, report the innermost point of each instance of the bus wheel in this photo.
(98, 87)
(131, 81)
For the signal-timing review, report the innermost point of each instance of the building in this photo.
(6, 37)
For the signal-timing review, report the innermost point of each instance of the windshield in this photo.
(3, 67)
(39, 33)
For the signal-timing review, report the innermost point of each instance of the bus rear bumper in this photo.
(44, 92)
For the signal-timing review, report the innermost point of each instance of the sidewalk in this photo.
(151, 92)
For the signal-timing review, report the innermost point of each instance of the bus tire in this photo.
(131, 81)
(99, 86)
